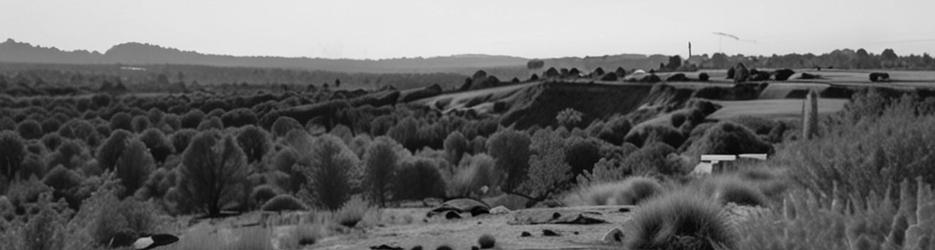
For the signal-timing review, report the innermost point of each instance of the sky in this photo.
(526, 28)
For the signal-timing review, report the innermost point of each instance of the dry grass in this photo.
(630, 191)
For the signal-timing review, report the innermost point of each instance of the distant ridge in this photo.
(142, 53)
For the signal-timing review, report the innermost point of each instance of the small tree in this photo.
(192, 118)
(121, 121)
(330, 172)
(419, 179)
(157, 143)
(134, 166)
(110, 151)
(510, 149)
(29, 129)
(283, 125)
(381, 160)
(254, 142)
(12, 152)
(213, 168)
(548, 171)
(140, 123)
(569, 117)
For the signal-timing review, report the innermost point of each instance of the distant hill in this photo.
(143, 54)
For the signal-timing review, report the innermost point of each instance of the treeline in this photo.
(838, 59)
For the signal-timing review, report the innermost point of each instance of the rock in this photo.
(548, 232)
(486, 241)
(499, 210)
(525, 234)
(783, 74)
(385, 247)
(613, 236)
(462, 205)
(879, 77)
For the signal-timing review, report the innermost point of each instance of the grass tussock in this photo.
(733, 189)
(630, 191)
(354, 211)
(680, 220)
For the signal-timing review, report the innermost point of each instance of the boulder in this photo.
(615, 235)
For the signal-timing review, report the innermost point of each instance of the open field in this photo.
(775, 109)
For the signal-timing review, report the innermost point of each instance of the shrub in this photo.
(173, 120)
(50, 125)
(330, 172)
(486, 241)
(652, 159)
(283, 125)
(510, 150)
(51, 141)
(213, 168)
(113, 147)
(615, 130)
(62, 179)
(581, 154)
(263, 193)
(140, 123)
(122, 221)
(157, 144)
(157, 185)
(728, 138)
(192, 119)
(381, 162)
(12, 152)
(45, 230)
(180, 139)
(473, 173)
(731, 189)
(134, 166)
(406, 132)
(121, 120)
(29, 129)
(239, 117)
(631, 191)
(456, 145)
(210, 123)
(352, 212)
(287, 162)
(645, 135)
(569, 117)
(283, 202)
(155, 115)
(681, 220)
(254, 142)
(419, 179)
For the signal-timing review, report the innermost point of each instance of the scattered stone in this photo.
(879, 77)
(548, 232)
(486, 241)
(499, 210)
(385, 247)
(525, 234)
(614, 235)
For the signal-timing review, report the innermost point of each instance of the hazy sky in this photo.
(533, 28)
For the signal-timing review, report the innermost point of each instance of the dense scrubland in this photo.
(97, 170)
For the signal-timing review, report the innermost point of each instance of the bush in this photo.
(652, 160)
(29, 129)
(157, 143)
(239, 117)
(330, 172)
(419, 179)
(46, 229)
(283, 125)
(113, 147)
(173, 120)
(180, 139)
(254, 142)
(352, 212)
(12, 152)
(283, 202)
(548, 171)
(122, 221)
(510, 150)
(287, 162)
(681, 220)
(263, 193)
(456, 145)
(569, 117)
(648, 134)
(134, 166)
(728, 138)
(211, 153)
(121, 120)
(140, 123)
(615, 130)
(380, 162)
(631, 191)
(192, 119)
